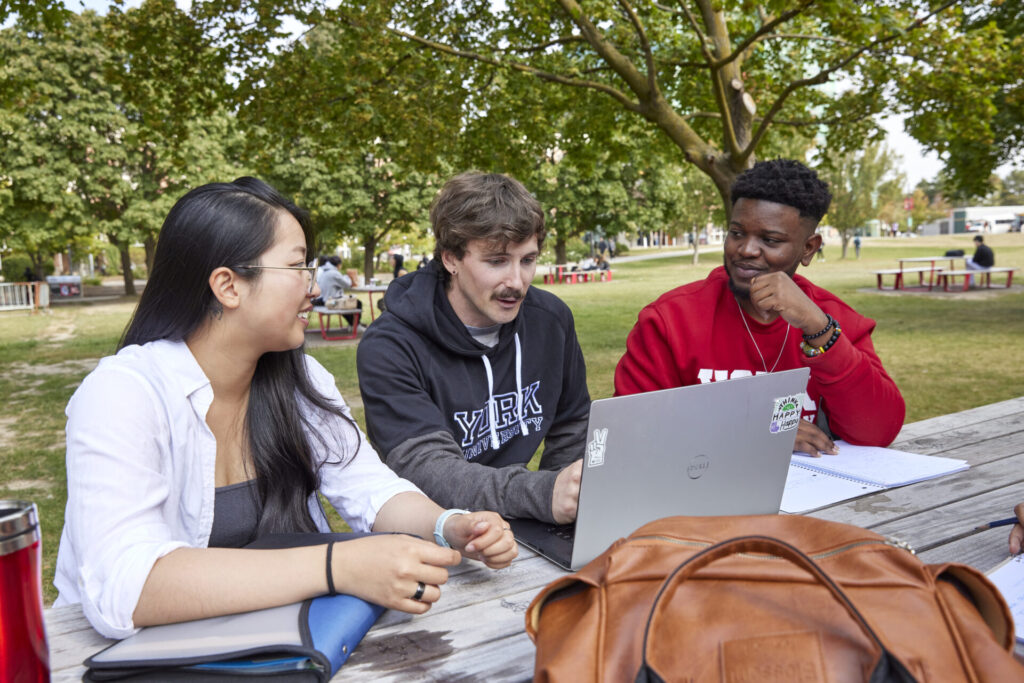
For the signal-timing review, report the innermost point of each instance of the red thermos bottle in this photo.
(24, 657)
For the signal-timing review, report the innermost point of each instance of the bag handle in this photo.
(889, 668)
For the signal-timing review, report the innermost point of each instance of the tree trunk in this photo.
(560, 249)
(369, 258)
(695, 236)
(38, 264)
(845, 235)
(126, 268)
(150, 245)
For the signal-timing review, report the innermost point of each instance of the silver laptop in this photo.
(721, 448)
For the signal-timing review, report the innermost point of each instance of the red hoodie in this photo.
(694, 334)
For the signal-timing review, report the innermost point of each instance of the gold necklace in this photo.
(756, 348)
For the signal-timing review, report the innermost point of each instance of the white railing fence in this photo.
(26, 296)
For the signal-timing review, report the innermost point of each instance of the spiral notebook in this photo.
(813, 483)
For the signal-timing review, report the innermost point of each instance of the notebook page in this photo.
(807, 490)
(1008, 577)
(884, 467)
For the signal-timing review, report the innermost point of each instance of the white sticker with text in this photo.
(786, 414)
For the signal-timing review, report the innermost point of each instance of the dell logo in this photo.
(698, 466)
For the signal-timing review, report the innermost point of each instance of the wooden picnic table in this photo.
(370, 290)
(932, 271)
(476, 632)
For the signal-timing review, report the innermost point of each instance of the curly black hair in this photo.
(785, 181)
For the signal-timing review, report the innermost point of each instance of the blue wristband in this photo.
(439, 526)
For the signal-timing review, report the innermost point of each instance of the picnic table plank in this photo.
(968, 442)
(944, 521)
(971, 416)
(438, 636)
(504, 660)
(887, 506)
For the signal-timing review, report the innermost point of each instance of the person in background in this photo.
(856, 244)
(397, 263)
(199, 449)
(983, 257)
(334, 284)
(756, 314)
(471, 368)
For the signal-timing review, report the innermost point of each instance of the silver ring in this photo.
(420, 587)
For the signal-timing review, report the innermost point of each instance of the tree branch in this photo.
(645, 45)
(787, 122)
(717, 86)
(764, 30)
(621, 64)
(618, 95)
(803, 36)
(823, 75)
(565, 40)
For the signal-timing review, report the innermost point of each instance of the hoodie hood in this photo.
(419, 299)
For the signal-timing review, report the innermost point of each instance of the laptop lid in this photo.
(721, 448)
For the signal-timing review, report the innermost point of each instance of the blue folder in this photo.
(309, 640)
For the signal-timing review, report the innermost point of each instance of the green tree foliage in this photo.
(717, 79)
(61, 138)
(49, 13)
(965, 97)
(1011, 190)
(862, 184)
(356, 126)
(370, 199)
(171, 83)
(105, 122)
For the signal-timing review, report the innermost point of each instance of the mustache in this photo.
(516, 294)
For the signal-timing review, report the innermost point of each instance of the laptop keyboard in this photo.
(564, 531)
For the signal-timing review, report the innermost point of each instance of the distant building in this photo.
(970, 219)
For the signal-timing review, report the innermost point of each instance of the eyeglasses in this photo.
(309, 269)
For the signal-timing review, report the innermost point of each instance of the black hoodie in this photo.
(428, 400)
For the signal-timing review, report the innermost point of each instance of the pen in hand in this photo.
(999, 522)
(965, 534)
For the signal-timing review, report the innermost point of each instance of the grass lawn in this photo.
(946, 352)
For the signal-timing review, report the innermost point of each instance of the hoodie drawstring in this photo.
(519, 388)
(492, 410)
(492, 416)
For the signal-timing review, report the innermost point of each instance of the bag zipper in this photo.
(889, 541)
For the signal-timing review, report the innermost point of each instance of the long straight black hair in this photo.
(230, 224)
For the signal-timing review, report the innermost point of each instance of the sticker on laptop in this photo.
(595, 449)
(786, 414)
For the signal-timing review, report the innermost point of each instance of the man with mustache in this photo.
(755, 314)
(470, 368)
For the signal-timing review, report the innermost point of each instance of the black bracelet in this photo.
(330, 574)
(833, 339)
(829, 326)
(814, 351)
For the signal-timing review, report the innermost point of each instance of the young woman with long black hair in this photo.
(211, 429)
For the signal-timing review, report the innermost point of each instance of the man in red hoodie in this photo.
(755, 314)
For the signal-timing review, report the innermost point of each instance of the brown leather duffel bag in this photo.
(769, 598)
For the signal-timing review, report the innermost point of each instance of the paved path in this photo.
(648, 253)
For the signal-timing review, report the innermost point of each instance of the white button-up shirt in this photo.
(140, 465)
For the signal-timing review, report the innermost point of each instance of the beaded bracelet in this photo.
(812, 351)
(831, 323)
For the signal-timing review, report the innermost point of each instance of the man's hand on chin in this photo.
(776, 294)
